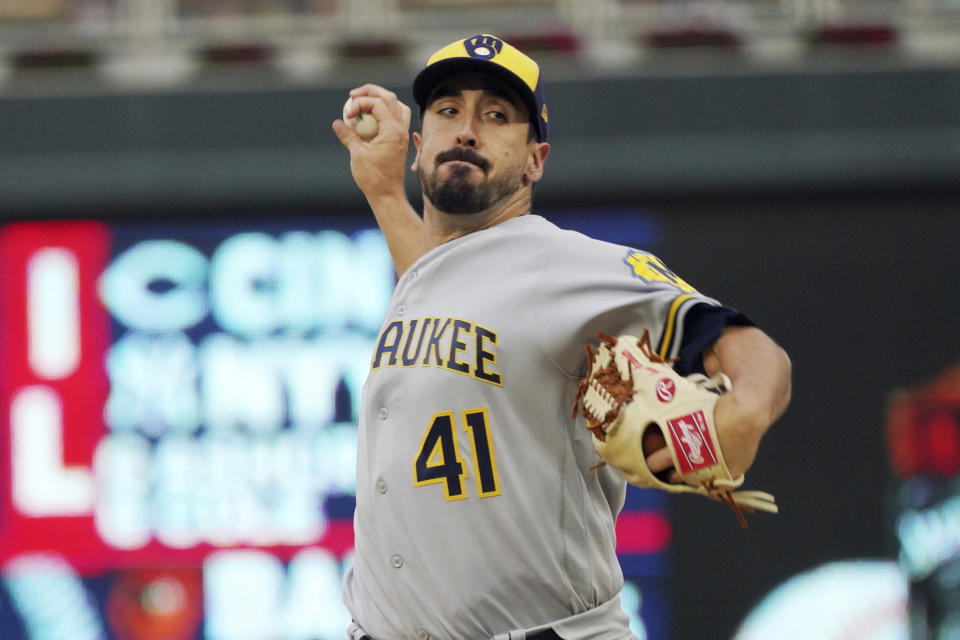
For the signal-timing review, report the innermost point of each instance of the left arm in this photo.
(760, 373)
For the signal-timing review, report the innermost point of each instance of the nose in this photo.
(466, 134)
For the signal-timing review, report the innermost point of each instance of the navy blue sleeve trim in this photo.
(702, 325)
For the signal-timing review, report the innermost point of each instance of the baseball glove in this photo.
(629, 391)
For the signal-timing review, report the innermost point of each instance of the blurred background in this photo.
(190, 286)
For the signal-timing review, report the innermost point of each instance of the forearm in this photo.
(401, 227)
(760, 375)
(378, 168)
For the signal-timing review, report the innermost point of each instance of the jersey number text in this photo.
(438, 460)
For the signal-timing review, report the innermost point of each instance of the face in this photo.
(475, 149)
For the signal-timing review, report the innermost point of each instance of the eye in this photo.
(497, 115)
(447, 111)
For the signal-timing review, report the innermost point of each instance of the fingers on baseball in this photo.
(356, 113)
(357, 105)
(381, 99)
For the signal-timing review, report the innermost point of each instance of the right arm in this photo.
(378, 168)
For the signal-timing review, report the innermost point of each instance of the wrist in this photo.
(386, 204)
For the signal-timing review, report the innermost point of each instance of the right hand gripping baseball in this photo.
(378, 163)
(631, 391)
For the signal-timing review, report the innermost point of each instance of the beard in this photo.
(458, 194)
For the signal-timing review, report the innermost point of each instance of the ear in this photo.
(416, 159)
(536, 157)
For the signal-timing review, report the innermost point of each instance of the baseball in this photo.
(364, 124)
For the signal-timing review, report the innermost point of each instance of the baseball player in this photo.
(481, 509)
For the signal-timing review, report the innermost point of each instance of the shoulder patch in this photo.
(649, 268)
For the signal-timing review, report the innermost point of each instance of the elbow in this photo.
(767, 394)
(786, 384)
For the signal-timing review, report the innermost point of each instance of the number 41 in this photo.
(438, 460)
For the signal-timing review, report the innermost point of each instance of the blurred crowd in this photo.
(304, 34)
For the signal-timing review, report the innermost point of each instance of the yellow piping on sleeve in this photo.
(668, 332)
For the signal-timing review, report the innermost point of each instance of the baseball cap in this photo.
(486, 53)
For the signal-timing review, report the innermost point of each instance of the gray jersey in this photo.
(477, 512)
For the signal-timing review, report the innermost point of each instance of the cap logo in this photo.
(483, 47)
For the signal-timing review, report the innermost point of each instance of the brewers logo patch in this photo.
(483, 47)
(649, 268)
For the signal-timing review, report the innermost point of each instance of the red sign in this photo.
(923, 428)
(56, 487)
(52, 385)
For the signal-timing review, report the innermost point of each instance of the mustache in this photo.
(462, 154)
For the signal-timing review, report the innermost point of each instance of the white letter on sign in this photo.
(42, 485)
(53, 313)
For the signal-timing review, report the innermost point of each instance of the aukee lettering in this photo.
(446, 343)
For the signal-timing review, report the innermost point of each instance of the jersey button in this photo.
(396, 561)
(382, 413)
(381, 487)
(401, 309)
(423, 635)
